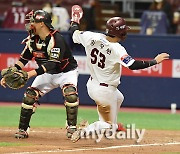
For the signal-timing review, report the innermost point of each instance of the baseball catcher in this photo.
(57, 68)
(14, 78)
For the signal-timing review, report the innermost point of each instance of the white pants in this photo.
(47, 82)
(108, 100)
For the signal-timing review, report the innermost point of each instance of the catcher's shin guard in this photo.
(71, 103)
(28, 107)
(25, 117)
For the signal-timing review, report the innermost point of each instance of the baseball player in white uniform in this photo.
(105, 58)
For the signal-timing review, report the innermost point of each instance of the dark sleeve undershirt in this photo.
(73, 28)
(141, 64)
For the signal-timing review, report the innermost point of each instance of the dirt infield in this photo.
(48, 140)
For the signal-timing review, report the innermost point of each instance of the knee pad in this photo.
(71, 96)
(31, 96)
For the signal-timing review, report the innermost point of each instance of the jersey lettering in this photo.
(94, 54)
(101, 63)
(39, 54)
(55, 53)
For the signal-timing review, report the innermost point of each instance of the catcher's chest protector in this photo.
(40, 49)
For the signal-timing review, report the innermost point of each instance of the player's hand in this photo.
(3, 83)
(160, 57)
(76, 13)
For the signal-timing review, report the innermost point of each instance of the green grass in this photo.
(55, 117)
(10, 144)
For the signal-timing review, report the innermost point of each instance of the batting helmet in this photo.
(116, 26)
(40, 16)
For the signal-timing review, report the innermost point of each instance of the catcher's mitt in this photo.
(14, 78)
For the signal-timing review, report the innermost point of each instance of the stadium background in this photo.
(155, 87)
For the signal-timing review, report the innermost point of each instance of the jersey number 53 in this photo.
(95, 53)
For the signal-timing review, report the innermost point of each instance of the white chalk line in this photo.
(105, 148)
(89, 149)
(33, 131)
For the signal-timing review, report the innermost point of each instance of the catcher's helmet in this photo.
(40, 16)
(116, 26)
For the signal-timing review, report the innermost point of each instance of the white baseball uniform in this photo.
(47, 82)
(105, 60)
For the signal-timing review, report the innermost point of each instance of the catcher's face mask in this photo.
(29, 20)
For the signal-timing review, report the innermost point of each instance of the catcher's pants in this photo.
(108, 99)
(47, 82)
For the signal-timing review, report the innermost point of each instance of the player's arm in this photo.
(141, 64)
(55, 57)
(73, 27)
(26, 55)
(23, 60)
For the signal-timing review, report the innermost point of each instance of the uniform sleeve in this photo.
(126, 60)
(122, 56)
(81, 37)
(57, 52)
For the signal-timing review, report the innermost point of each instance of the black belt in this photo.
(104, 84)
(101, 84)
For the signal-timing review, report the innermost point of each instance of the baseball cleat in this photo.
(21, 134)
(76, 136)
(121, 127)
(76, 13)
(70, 130)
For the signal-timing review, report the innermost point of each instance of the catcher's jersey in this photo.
(53, 48)
(104, 58)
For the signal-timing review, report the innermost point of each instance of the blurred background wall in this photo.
(155, 87)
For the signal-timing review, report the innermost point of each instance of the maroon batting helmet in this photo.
(116, 26)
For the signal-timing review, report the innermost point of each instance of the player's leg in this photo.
(103, 96)
(107, 107)
(71, 103)
(31, 96)
(116, 101)
(107, 100)
(28, 107)
(69, 90)
(120, 99)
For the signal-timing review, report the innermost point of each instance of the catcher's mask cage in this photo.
(37, 17)
(116, 26)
